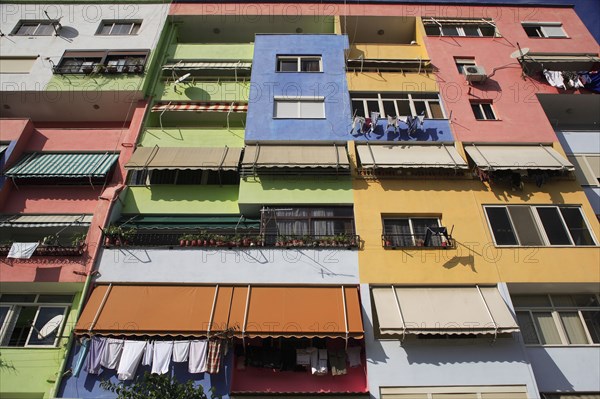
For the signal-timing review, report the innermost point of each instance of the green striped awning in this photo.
(79, 165)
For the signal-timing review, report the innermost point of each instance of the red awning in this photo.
(201, 106)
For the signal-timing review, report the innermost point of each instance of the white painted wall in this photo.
(248, 266)
(80, 23)
(416, 363)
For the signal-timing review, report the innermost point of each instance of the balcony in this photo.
(99, 68)
(49, 250)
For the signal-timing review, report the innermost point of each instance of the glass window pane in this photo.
(432, 30)
(477, 111)
(501, 227)
(553, 225)
(389, 108)
(533, 31)
(423, 96)
(546, 328)
(487, 31)
(553, 31)
(592, 321)
(420, 227)
(573, 327)
(397, 232)
(121, 29)
(288, 65)
(286, 109)
(395, 95)
(47, 326)
(312, 109)
(358, 108)
(471, 30)
(310, 65)
(449, 30)
(531, 301)
(489, 112)
(577, 227)
(3, 314)
(25, 316)
(525, 225)
(136, 29)
(14, 298)
(44, 30)
(55, 299)
(372, 106)
(420, 108)
(105, 29)
(585, 300)
(26, 29)
(404, 108)
(436, 110)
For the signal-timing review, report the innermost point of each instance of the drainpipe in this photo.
(86, 287)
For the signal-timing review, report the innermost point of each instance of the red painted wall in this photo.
(69, 200)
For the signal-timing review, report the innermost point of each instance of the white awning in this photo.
(517, 157)
(45, 220)
(442, 310)
(295, 156)
(409, 156)
(208, 65)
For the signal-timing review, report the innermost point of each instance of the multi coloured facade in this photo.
(271, 199)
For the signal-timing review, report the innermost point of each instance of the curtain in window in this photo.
(292, 227)
(397, 231)
(420, 227)
(323, 212)
(573, 327)
(546, 328)
(296, 212)
(324, 227)
(592, 321)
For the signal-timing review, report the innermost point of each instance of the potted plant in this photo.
(78, 240)
(127, 235)
(111, 234)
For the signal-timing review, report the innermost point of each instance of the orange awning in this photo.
(253, 311)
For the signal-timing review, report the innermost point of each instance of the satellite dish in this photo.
(181, 79)
(520, 52)
(51, 326)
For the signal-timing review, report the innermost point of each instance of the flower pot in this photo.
(194, 243)
(182, 243)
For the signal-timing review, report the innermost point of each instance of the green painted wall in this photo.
(221, 52)
(192, 137)
(182, 199)
(98, 82)
(32, 372)
(204, 91)
(309, 190)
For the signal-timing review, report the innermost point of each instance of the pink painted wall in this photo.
(69, 200)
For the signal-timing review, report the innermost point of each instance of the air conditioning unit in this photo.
(474, 73)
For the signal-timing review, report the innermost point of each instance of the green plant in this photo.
(78, 239)
(128, 234)
(112, 231)
(156, 386)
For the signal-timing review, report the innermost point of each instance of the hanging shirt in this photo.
(161, 358)
(181, 351)
(353, 353)
(112, 353)
(214, 356)
(148, 353)
(337, 360)
(92, 364)
(302, 357)
(130, 359)
(555, 78)
(198, 355)
(83, 351)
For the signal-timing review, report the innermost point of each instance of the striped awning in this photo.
(182, 158)
(64, 165)
(45, 220)
(208, 65)
(201, 107)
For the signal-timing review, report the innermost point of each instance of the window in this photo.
(540, 225)
(35, 28)
(397, 104)
(463, 62)
(587, 169)
(86, 62)
(483, 111)
(480, 27)
(412, 232)
(544, 29)
(315, 222)
(183, 176)
(304, 108)
(32, 320)
(305, 63)
(119, 28)
(558, 319)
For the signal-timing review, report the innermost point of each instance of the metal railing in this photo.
(50, 250)
(98, 68)
(417, 241)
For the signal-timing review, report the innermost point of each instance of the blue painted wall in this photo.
(87, 386)
(266, 83)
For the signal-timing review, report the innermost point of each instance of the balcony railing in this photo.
(393, 241)
(231, 240)
(99, 68)
(49, 250)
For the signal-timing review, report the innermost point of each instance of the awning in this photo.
(296, 156)
(65, 165)
(536, 62)
(208, 65)
(45, 220)
(409, 156)
(195, 158)
(188, 222)
(442, 310)
(201, 106)
(253, 311)
(517, 157)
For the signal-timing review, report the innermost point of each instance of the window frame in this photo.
(540, 227)
(410, 219)
(480, 104)
(134, 23)
(39, 22)
(7, 328)
(299, 101)
(460, 24)
(356, 96)
(542, 31)
(461, 62)
(299, 59)
(100, 58)
(555, 311)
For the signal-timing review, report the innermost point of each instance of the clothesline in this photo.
(573, 80)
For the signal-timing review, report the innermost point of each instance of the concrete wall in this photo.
(217, 265)
(391, 363)
(267, 83)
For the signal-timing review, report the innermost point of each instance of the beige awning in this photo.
(410, 156)
(296, 156)
(442, 310)
(45, 220)
(199, 158)
(517, 157)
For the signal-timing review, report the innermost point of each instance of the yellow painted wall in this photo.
(459, 203)
(373, 81)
